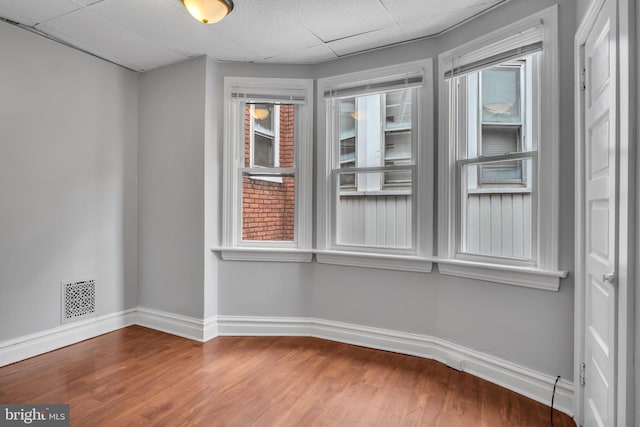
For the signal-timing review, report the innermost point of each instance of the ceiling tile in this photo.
(363, 42)
(437, 24)
(309, 55)
(168, 23)
(404, 11)
(31, 12)
(259, 25)
(110, 40)
(145, 34)
(87, 2)
(336, 19)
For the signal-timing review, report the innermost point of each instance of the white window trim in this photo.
(421, 258)
(546, 268)
(233, 247)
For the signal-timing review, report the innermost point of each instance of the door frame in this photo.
(626, 207)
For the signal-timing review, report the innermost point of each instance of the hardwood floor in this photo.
(137, 376)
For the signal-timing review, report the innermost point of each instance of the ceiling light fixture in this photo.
(208, 11)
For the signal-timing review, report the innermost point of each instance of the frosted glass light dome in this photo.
(208, 11)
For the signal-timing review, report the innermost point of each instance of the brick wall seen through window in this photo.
(268, 203)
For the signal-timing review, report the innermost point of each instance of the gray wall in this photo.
(529, 327)
(171, 202)
(213, 134)
(261, 288)
(581, 8)
(68, 169)
(637, 278)
(84, 154)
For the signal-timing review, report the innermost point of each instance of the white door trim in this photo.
(582, 33)
(626, 207)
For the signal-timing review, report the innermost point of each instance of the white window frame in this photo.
(543, 273)
(267, 90)
(420, 256)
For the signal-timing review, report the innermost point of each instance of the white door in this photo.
(600, 139)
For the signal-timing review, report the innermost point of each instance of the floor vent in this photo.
(78, 300)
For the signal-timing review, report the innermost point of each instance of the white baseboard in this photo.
(524, 381)
(530, 383)
(27, 346)
(175, 324)
(21, 348)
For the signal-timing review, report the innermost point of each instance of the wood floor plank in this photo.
(137, 376)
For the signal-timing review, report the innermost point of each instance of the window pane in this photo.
(375, 130)
(375, 219)
(398, 109)
(348, 142)
(397, 138)
(502, 173)
(501, 94)
(496, 219)
(497, 140)
(347, 118)
(397, 179)
(268, 208)
(397, 145)
(397, 153)
(263, 151)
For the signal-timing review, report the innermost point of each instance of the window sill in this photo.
(373, 260)
(390, 192)
(500, 191)
(264, 254)
(528, 277)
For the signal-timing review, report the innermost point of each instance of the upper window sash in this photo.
(386, 133)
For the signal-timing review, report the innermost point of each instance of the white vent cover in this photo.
(78, 299)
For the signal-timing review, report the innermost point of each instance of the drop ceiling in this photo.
(146, 34)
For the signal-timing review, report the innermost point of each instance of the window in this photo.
(374, 189)
(498, 157)
(268, 167)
